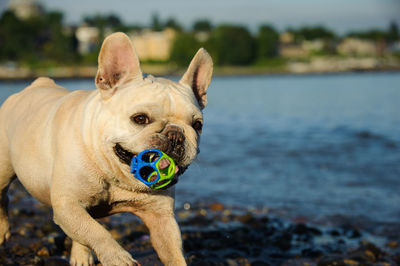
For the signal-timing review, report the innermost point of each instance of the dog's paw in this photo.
(118, 258)
(4, 232)
(80, 255)
(81, 261)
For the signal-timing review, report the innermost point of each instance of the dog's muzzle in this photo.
(171, 141)
(175, 146)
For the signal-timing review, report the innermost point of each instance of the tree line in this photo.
(46, 40)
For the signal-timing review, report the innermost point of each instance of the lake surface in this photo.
(310, 145)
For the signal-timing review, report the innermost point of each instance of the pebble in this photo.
(56, 262)
(43, 252)
(350, 262)
(392, 244)
(183, 214)
(216, 206)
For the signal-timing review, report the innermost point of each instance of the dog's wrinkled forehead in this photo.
(159, 93)
(167, 89)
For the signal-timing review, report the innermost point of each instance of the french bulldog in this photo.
(71, 149)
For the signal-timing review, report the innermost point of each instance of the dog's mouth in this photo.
(126, 156)
(123, 155)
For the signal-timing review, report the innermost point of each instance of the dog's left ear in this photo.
(118, 64)
(198, 76)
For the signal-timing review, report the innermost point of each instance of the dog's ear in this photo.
(118, 64)
(198, 76)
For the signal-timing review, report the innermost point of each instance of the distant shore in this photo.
(316, 65)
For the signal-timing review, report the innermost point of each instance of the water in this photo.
(315, 146)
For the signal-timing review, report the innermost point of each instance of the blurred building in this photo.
(289, 48)
(395, 47)
(25, 9)
(357, 47)
(202, 36)
(88, 38)
(313, 46)
(152, 45)
(286, 38)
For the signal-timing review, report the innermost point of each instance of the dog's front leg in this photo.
(165, 236)
(80, 226)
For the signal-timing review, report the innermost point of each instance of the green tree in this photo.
(173, 24)
(38, 39)
(156, 23)
(202, 25)
(13, 37)
(184, 48)
(373, 35)
(314, 33)
(58, 46)
(267, 42)
(231, 45)
(113, 21)
(393, 32)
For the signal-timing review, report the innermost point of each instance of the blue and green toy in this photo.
(146, 168)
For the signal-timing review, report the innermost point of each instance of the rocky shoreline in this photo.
(213, 234)
(314, 66)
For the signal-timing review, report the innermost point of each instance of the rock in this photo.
(115, 234)
(331, 262)
(262, 263)
(35, 245)
(392, 244)
(231, 262)
(43, 252)
(351, 262)
(304, 229)
(55, 262)
(362, 256)
(142, 228)
(202, 212)
(183, 214)
(246, 219)
(243, 261)
(284, 241)
(216, 206)
(186, 206)
(19, 250)
(199, 220)
(312, 253)
(59, 242)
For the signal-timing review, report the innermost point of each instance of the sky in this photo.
(339, 15)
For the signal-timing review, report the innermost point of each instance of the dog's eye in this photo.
(141, 119)
(198, 126)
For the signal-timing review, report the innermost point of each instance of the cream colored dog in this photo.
(71, 150)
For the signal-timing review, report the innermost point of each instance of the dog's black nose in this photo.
(175, 135)
(175, 146)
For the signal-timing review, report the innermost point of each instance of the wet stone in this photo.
(55, 262)
(246, 219)
(392, 244)
(43, 252)
(216, 206)
(331, 262)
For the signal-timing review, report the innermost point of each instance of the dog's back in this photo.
(27, 119)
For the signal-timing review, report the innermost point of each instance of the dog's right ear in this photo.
(118, 64)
